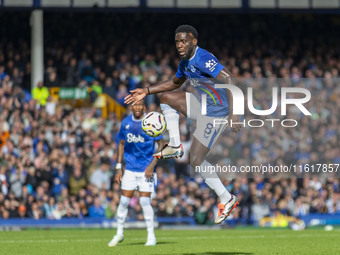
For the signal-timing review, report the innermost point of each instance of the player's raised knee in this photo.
(165, 98)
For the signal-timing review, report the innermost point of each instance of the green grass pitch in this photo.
(239, 241)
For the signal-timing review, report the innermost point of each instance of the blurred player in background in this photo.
(199, 67)
(137, 148)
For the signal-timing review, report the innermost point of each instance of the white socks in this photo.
(214, 182)
(172, 120)
(122, 212)
(148, 216)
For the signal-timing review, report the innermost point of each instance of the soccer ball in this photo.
(154, 124)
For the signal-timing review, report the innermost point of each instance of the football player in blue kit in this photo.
(137, 149)
(200, 68)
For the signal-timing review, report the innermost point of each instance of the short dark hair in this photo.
(187, 29)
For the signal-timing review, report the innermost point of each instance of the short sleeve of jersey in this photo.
(208, 64)
(179, 73)
(121, 134)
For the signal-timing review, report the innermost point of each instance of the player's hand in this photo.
(135, 96)
(234, 119)
(118, 176)
(149, 171)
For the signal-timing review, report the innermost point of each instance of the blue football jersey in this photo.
(139, 147)
(200, 71)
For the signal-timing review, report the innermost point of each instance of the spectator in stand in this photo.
(96, 90)
(101, 178)
(52, 80)
(22, 211)
(3, 74)
(3, 182)
(59, 211)
(87, 72)
(135, 78)
(49, 207)
(96, 210)
(40, 93)
(35, 213)
(111, 210)
(4, 133)
(121, 93)
(72, 74)
(77, 181)
(108, 88)
(16, 181)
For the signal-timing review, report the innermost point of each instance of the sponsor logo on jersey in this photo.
(131, 138)
(211, 65)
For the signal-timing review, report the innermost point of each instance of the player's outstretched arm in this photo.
(226, 77)
(119, 172)
(138, 94)
(150, 168)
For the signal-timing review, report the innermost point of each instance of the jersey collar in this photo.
(133, 118)
(194, 54)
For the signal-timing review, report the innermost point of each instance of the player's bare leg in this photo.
(127, 193)
(171, 104)
(228, 202)
(122, 212)
(148, 213)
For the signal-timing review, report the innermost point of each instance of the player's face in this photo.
(138, 110)
(185, 44)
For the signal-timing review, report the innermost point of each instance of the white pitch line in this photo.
(164, 238)
(103, 240)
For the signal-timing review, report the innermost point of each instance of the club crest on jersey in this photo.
(192, 69)
(211, 64)
(131, 138)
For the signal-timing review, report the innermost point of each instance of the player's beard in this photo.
(188, 54)
(138, 117)
(183, 57)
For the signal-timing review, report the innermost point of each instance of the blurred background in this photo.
(66, 66)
